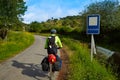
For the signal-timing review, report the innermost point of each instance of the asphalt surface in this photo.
(26, 65)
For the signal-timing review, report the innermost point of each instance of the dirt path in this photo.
(64, 72)
(26, 65)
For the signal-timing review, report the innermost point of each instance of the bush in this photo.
(65, 30)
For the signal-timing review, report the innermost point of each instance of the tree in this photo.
(11, 11)
(35, 27)
(108, 10)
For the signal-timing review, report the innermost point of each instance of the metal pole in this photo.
(91, 47)
(94, 48)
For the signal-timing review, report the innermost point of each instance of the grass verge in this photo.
(16, 42)
(81, 67)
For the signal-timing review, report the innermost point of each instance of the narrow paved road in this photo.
(26, 65)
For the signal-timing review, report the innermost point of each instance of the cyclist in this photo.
(56, 40)
(53, 43)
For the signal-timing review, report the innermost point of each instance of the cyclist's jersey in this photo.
(57, 42)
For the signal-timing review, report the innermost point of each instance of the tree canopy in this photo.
(11, 11)
(109, 11)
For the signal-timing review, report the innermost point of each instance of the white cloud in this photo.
(26, 0)
(73, 12)
(44, 11)
(28, 18)
(35, 14)
(58, 12)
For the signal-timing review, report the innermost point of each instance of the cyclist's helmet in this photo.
(53, 31)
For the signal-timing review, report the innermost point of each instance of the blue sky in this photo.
(42, 10)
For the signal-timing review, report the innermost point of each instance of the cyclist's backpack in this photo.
(45, 64)
(52, 47)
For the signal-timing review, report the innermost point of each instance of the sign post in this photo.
(93, 27)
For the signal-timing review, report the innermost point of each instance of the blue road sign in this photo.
(93, 24)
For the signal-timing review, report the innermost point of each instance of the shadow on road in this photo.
(30, 70)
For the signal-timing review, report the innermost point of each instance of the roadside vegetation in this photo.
(15, 42)
(81, 67)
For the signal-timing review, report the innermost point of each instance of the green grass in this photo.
(16, 42)
(81, 67)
